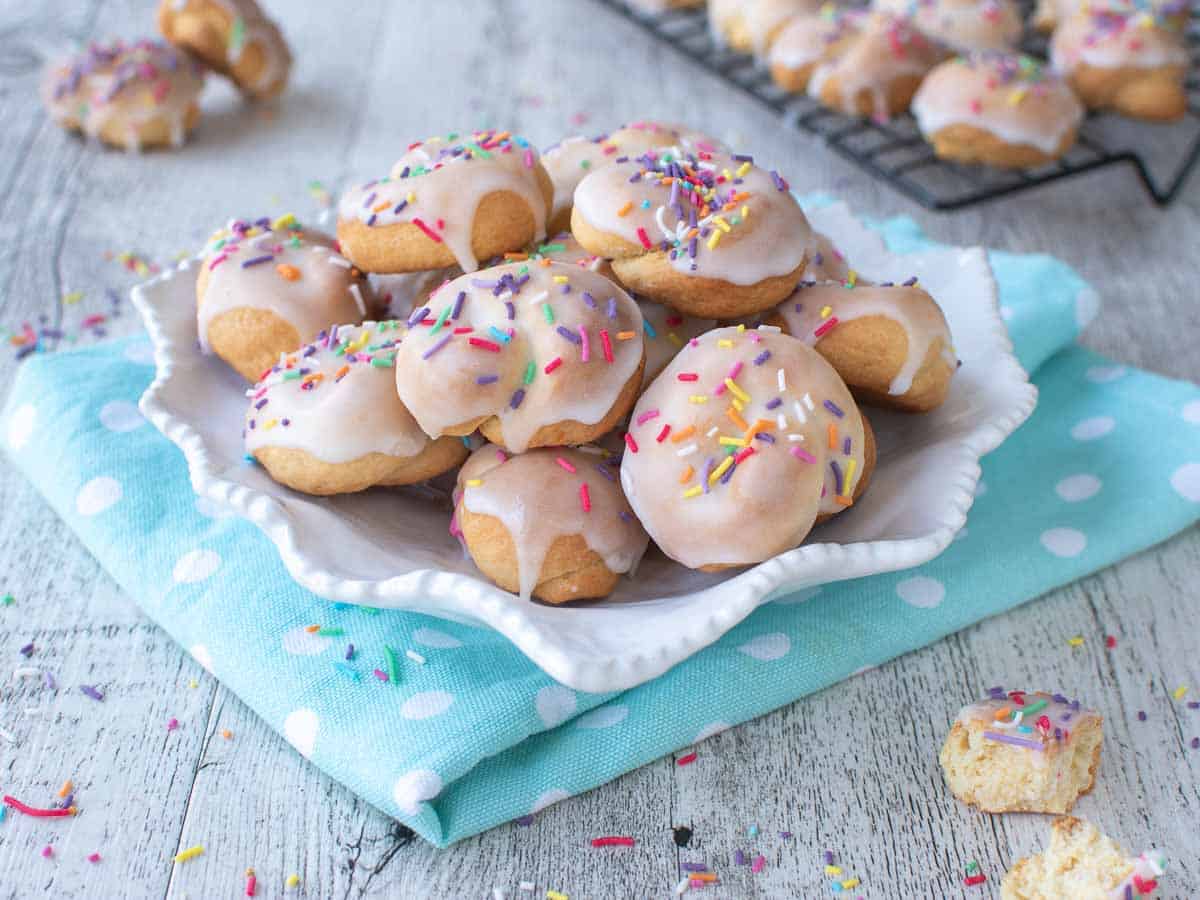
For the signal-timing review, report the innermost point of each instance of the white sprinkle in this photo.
(682, 887)
(593, 450)
(712, 431)
(808, 402)
(795, 437)
(415, 657)
(782, 380)
(770, 329)
(781, 421)
(687, 451)
(339, 261)
(527, 885)
(799, 412)
(356, 293)
(538, 298)
(26, 672)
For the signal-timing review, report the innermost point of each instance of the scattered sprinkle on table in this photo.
(686, 760)
(293, 881)
(91, 691)
(189, 853)
(93, 857)
(1075, 641)
(613, 841)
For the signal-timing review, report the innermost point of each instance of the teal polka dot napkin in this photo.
(474, 734)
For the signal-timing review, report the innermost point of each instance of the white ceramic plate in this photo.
(392, 548)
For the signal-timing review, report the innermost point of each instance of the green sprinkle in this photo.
(548, 312)
(330, 632)
(529, 372)
(383, 362)
(8, 600)
(291, 375)
(585, 164)
(393, 667)
(441, 320)
(475, 148)
(237, 36)
(295, 241)
(552, 248)
(369, 610)
(1031, 708)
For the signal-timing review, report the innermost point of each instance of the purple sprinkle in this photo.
(729, 473)
(785, 835)
(399, 207)
(524, 821)
(261, 403)
(1141, 715)
(762, 357)
(1194, 704)
(510, 310)
(258, 260)
(739, 858)
(625, 517)
(458, 304)
(763, 436)
(309, 350)
(1059, 698)
(833, 408)
(487, 379)
(829, 857)
(91, 692)
(775, 403)
(371, 221)
(67, 802)
(837, 476)
(49, 681)
(1015, 741)
(911, 281)
(369, 200)
(349, 651)
(708, 467)
(517, 397)
(612, 307)
(589, 300)
(438, 346)
(285, 422)
(1058, 734)
(744, 157)
(846, 447)
(417, 316)
(780, 184)
(995, 690)
(605, 471)
(1196, 743)
(569, 335)
(693, 867)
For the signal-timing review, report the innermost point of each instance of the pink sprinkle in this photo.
(216, 262)
(607, 345)
(381, 675)
(647, 416)
(47, 851)
(172, 723)
(585, 347)
(528, 159)
(631, 443)
(585, 499)
(801, 454)
(662, 435)
(552, 365)
(757, 865)
(720, 389)
(566, 465)
(93, 857)
(686, 760)
(736, 370)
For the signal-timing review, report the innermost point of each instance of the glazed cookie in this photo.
(713, 236)
(571, 159)
(1001, 109)
(136, 96)
(1022, 752)
(751, 26)
(267, 287)
(808, 40)
(661, 6)
(963, 25)
(531, 355)
(1051, 13)
(878, 70)
(1081, 863)
(232, 37)
(745, 441)
(1130, 63)
(889, 343)
(550, 523)
(326, 418)
(451, 200)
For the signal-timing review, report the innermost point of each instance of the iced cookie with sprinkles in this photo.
(266, 287)
(568, 161)
(134, 96)
(713, 236)
(532, 355)
(453, 200)
(233, 37)
(1082, 863)
(1002, 109)
(746, 440)
(1022, 752)
(808, 40)
(326, 419)
(751, 26)
(551, 523)
(1133, 63)
(1049, 14)
(889, 342)
(877, 71)
(963, 25)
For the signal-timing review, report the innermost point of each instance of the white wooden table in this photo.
(371, 76)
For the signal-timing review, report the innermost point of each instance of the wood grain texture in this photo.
(851, 769)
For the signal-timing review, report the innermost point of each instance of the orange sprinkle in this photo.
(380, 207)
(227, 734)
(702, 876)
(340, 372)
(842, 500)
(65, 789)
(1001, 714)
(683, 479)
(832, 436)
(624, 210)
(760, 425)
(683, 435)
(312, 629)
(516, 256)
(736, 417)
(626, 335)
(289, 273)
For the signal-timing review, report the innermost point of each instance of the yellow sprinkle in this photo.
(737, 391)
(555, 895)
(283, 222)
(1017, 96)
(189, 853)
(720, 470)
(292, 881)
(726, 441)
(692, 492)
(745, 213)
(698, 398)
(849, 884)
(72, 298)
(474, 482)
(851, 278)
(358, 343)
(1075, 641)
(741, 327)
(411, 198)
(714, 240)
(674, 339)
(725, 343)
(833, 870)
(732, 412)
(737, 404)
(743, 169)
(722, 224)
(1179, 692)
(826, 311)
(269, 424)
(193, 684)
(848, 481)
(560, 279)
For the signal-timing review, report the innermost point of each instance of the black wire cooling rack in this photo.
(896, 153)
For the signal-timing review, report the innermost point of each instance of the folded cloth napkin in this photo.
(473, 734)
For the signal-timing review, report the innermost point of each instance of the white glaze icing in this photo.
(827, 262)
(963, 25)
(768, 502)
(658, 6)
(1054, 12)
(814, 37)
(1110, 40)
(285, 269)
(404, 292)
(715, 216)
(759, 20)
(887, 48)
(512, 323)
(336, 398)
(250, 26)
(810, 310)
(438, 185)
(1010, 96)
(1147, 869)
(539, 497)
(132, 85)
(1033, 720)
(569, 161)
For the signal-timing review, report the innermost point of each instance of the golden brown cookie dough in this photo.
(806, 41)
(232, 37)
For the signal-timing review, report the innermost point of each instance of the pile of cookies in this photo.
(685, 364)
(145, 94)
(955, 64)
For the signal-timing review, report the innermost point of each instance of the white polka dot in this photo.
(549, 798)
(1064, 542)
(1105, 374)
(767, 647)
(97, 495)
(1191, 412)
(555, 704)
(439, 640)
(140, 352)
(603, 717)
(1186, 482)
(798, 596)
(1075, 488)
(981, 488)
(201, 655)
(921, 591)
(302, 642)
(1006, 313)
(300, 728)
(1090, 429)
(120, 416)
(20, 426)
(1087, 307)
(426, 705)
(206, 506)
(414, 788)
(196, 565)
(709, 730)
